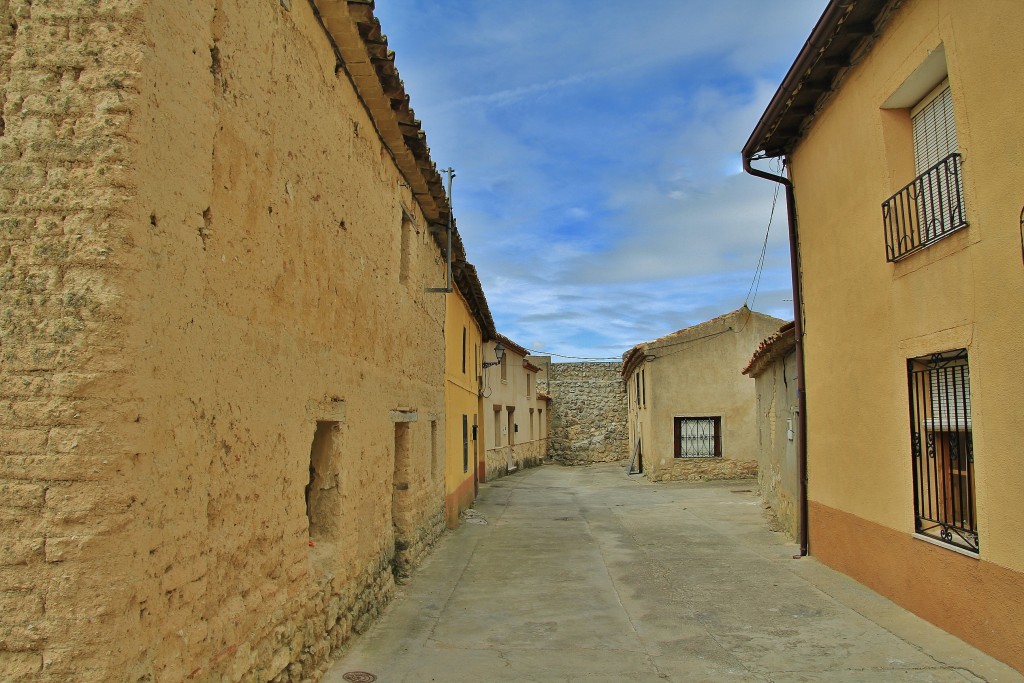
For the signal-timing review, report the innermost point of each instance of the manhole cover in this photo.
(564, 519)
(359, 677)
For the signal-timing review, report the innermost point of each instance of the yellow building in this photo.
(468, 324)
(518, 413)
(901, 130)
(691, 414)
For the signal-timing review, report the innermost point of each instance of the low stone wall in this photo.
(588, 413)
(505, 459)
(409, 552)
(298, 649)
(705, 469)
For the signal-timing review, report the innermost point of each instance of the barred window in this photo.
(942, 448)
(698, 437)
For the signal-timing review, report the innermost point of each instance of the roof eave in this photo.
(843, 32)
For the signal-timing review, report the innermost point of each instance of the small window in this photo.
(435, 464)
(405, 255)
(698, 437)
(511, 425)
(529, 385)
(497, 426)
(504, 367)
(637, 392)
(643, 386)
(463, 350)
(942, 449)
(465, 443)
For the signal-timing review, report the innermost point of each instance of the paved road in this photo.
(585, 574)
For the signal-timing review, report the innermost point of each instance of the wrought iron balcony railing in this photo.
(926, 210)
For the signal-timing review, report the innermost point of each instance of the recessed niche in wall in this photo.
(323, 492)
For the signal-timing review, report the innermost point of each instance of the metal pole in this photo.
(451, 226)
(448, 284)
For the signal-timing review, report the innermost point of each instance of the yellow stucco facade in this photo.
(464, 433)
(865, 317)
(686, 387)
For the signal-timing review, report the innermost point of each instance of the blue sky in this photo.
(599, 188)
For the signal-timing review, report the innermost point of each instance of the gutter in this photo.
(798, 333)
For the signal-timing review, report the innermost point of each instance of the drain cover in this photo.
(564, 519)
(359, 677)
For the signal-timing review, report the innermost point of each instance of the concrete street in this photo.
(586, 574)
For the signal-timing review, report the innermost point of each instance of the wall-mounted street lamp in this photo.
(499, 353)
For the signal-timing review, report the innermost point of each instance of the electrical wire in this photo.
(649, 349)
(755, 282)
(560, 355)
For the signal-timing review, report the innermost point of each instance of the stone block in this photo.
(17, 666)
(21, 496)
(27, 605)
(14, 440)
(20, 551)
(73, 547)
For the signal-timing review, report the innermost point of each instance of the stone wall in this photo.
(704, 469)
(588, 413)
(204, 298)
(503, 460)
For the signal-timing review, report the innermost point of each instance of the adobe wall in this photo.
(588, 413)
(778, 431)
(200, 264)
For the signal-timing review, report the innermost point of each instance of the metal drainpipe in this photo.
(798, 333)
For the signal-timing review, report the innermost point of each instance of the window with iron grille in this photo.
(698, 437)
(941, 448)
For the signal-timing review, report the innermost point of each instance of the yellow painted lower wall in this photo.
(977, 601)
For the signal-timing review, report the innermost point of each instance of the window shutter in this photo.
(934, 131)
(938, 187)
(950, 398)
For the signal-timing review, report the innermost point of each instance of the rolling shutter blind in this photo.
(934, 131)
(950, 398)
(939, 187)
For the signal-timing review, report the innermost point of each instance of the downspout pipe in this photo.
(798, 333)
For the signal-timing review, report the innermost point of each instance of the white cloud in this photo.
(599, 189)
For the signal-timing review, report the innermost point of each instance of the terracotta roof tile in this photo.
(775, 346)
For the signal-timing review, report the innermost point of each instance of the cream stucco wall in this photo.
(505, 448)
(224, 255)
(696, 373)
(865, 316)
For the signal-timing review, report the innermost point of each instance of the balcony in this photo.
(926, 210)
